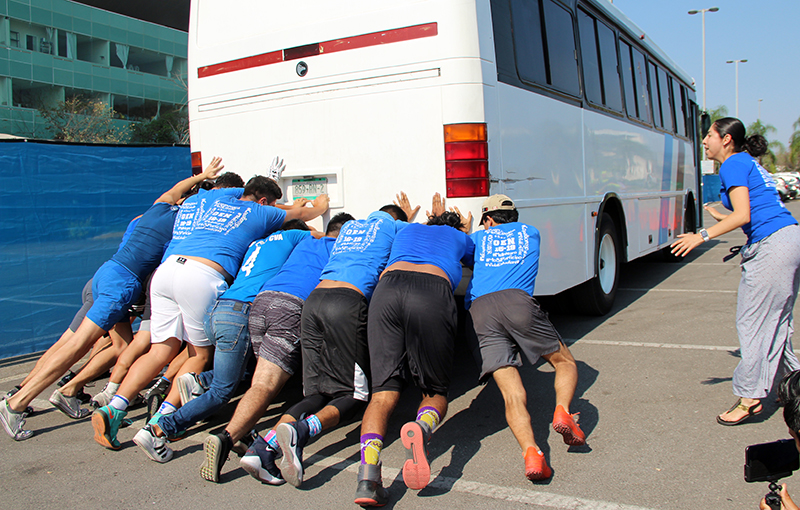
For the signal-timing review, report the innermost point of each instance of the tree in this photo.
(794, 147)
(169, 127)
(717, 113)
(768, 160)
(86, 120)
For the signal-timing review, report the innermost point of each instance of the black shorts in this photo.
(508, 322)
(412, 327)
(86, 297)
(333, 339)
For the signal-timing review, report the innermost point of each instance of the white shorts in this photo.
(180, 293)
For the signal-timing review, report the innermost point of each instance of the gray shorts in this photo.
(86, 297)
(507, 323)
(275, 329)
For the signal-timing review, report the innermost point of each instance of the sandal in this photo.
(751, 411)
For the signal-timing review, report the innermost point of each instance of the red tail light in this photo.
(466, 155)
(197, 163)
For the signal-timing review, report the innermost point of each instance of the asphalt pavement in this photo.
(654, 374)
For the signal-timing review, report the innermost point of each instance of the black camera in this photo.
(769, 462)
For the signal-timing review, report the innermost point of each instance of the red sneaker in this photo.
(565, 424)
(536, 467)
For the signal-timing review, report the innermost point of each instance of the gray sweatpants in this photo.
(767, 292)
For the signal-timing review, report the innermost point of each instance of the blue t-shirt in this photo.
(362, 250)
(128, 231)
(300, 274)
(192, 211)
(262, 261)
(141, 254)
(227, 229)
(440, 245)
(506, 257)
(767, 212)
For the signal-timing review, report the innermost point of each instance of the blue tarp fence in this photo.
(711, 188)
(63, 210)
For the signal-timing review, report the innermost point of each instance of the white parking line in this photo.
(572, 341)
(497, 492)
(706, 291)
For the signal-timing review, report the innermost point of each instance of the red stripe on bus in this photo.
(349, 43)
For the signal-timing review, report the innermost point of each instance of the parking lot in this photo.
(654, 373)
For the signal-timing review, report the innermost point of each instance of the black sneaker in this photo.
(370, 491)
(216, 448)
(259, 462)
(154, 402)
(292, 438)
(67, 378)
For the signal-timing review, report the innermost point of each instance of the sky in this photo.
(765, 33)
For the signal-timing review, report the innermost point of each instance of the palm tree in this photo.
(768, 160)
(794, 147)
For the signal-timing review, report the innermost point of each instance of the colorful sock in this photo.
(314, 426)
(167, 408)
(272, 440)
(371, 445)
(429, 416)
(111, 388)
(165, 379)
(119, 402)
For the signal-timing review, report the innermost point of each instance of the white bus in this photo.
(566, 106)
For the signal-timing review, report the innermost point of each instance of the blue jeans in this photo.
(226, 327)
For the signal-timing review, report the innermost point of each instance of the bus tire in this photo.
(596, 296)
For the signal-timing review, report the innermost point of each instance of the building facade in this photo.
(52, 50)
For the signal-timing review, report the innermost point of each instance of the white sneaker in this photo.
(189, 387)
(13, 422)
(155, 447)
(102, 399)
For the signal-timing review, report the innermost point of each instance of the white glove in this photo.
(276, 169)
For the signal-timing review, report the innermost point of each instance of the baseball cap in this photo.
(497, 203)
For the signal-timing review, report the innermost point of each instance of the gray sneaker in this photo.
(189, 387)
(13, 422)
(70, 406)
(101, 399)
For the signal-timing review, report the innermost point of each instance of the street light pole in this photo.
(703, 15)
(737, 81)
(759, 109)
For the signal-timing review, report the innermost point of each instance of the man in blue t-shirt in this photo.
(115, 286)
(275, 333)
(334, 333)
(189, 282)
(411, 331)
(226, 327)
(508, 321)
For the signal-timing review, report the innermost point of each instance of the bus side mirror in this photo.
(705, 124)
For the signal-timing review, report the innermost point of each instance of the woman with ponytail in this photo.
(770, 263)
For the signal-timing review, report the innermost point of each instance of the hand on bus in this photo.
(276, 169)
(403, 203)
(213, 169)
(466, 222)
(300, 202)
(685, 244)
(437, 206)
(714, 213)
(321, 202)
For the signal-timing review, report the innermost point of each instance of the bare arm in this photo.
(212, 170)
(318, 206)
(740, 200)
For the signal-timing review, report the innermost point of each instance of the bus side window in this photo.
(679, 98)
(589, 58)
(627, 79)
(561, 50)
(666, 107)
(609, 63)
(642, 95)
(654, 96)
(554, 64)
(528, 41)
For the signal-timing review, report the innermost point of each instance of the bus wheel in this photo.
(596, 296)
